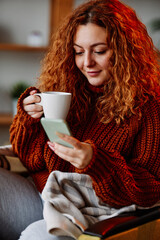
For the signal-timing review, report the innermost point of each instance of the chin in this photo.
(96, 84)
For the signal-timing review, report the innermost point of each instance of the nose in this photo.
(88, 60)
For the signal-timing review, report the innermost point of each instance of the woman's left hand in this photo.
(79, 156)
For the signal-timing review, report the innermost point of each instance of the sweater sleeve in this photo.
(23, 137)
(121, 181)
(29, 142)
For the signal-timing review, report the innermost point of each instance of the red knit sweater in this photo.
(125, 167)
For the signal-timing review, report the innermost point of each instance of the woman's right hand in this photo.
(34, 110)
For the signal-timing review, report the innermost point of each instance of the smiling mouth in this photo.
(93, 73)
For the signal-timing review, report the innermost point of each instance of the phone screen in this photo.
(51, 126)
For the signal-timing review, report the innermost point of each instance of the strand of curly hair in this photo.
(134, 71)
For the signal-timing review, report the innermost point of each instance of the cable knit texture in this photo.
(125, 167)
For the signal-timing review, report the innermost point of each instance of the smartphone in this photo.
(51, 126)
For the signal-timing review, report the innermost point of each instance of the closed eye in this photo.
(100, 52)
(96, 52)
(79, 53)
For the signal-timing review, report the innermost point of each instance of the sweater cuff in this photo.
(24, 118)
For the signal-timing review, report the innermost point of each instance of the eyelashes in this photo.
(100, 52)
(94, 52)
(79, 53)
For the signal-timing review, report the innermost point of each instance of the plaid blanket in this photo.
(71, 205)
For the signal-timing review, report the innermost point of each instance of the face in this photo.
(92, 54)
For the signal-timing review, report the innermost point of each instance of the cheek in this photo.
(78, 63)
(105, 63)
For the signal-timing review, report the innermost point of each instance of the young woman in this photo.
(103, 55)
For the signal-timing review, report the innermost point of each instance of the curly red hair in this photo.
(134, 72)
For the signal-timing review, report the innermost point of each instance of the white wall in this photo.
(19, 17)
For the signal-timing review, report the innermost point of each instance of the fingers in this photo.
(60, 149)
(33, 92)
(65, 153)
(30, 106)
(79, 156)
(73, 141)
(31, 99)
(35, 114)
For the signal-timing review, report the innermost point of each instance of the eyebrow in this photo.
(93, 45)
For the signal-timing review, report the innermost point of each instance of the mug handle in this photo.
(40, 95)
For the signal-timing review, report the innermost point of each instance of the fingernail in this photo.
(51, 147)
(50, 143)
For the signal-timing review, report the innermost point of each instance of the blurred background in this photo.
(25, 31)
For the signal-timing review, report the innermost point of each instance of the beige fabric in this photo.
(9, 160)
(71, 205)
(7, 150)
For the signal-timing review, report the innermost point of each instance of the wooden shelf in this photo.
(58, 10)
(15, 47)
(5, 119)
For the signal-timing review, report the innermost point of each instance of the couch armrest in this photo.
(10, 161)
(6, 151)
(121, 223)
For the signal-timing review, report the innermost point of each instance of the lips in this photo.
(93, 73)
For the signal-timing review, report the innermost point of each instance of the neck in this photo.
(97, 89)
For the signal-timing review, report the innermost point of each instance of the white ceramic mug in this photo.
(55, 104)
